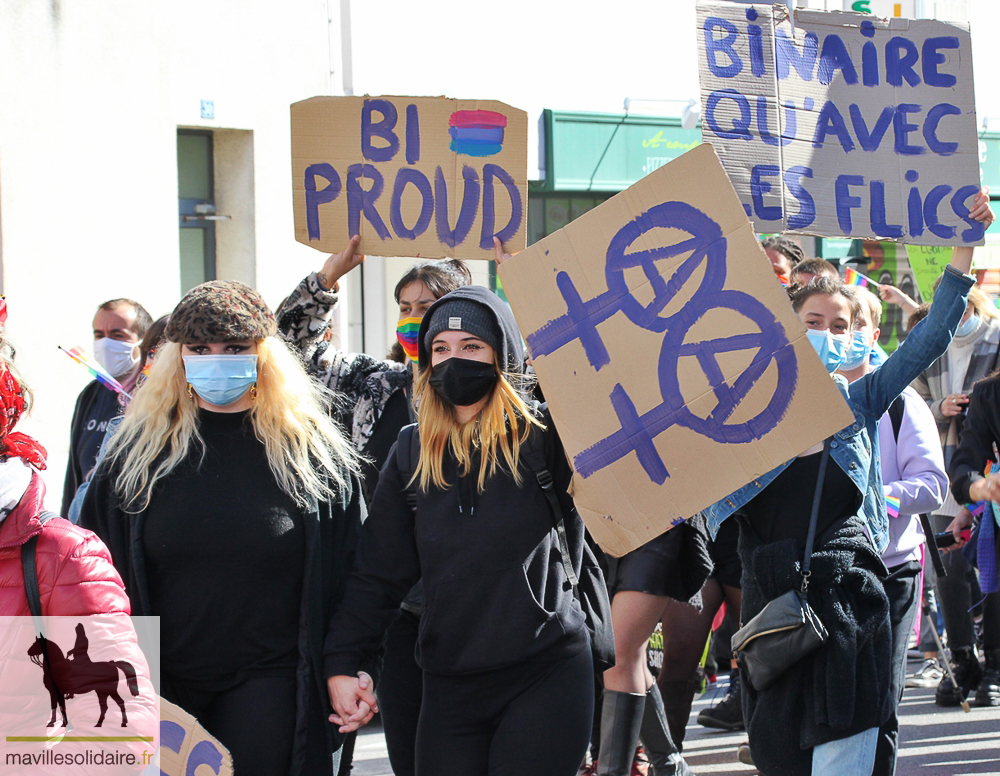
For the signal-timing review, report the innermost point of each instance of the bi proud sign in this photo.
(844, 125)
(414, 176)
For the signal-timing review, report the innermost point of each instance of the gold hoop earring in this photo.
(190, 392)
(253, 392)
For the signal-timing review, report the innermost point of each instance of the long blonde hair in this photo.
(500, 428)
(305, 448)
(982, 304)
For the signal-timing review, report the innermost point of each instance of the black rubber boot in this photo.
(621, 718)
(664, 757)
(968, 674)
(677, 700)
(988, 693)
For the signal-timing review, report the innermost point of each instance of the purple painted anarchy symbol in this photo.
(707, 251)
(637, 432)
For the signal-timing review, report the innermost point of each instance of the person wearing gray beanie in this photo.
(376, 396)
(461, 504)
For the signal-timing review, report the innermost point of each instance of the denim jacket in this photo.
(855, 448)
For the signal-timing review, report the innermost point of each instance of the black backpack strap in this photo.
(407, 455)
(533, 454)
(29, 567)
(896, 410)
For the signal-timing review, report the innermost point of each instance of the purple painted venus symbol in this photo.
(706, 249)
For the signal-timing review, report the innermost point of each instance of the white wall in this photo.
(91, 97)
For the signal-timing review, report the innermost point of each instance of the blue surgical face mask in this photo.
(221, 380)
(832, 349)
(964, 329)
(858, 353)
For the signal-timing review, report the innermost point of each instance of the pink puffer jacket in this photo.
(75, 573)
(79, 587)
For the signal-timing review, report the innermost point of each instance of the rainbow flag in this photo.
(99, 372)
(855, 278)
(892, 506)
(406, 333)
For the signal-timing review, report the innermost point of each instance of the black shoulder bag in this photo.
(29, 568)
(589, 588)
(787, 629)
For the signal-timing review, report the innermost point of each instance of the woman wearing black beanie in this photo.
(508, 673)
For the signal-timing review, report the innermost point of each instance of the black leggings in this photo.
(399, 692)
(254, 720)
(524, 720)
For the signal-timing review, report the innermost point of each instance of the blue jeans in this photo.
(855, 754)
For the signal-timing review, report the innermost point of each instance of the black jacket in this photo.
(331, 537)
(842, 688)
(979, 433)
(495, 590)
(97, 403)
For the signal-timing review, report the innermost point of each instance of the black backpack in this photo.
(896, 410)
(589, 589)
(896, 415)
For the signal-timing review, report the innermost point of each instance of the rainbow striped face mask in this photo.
(406, 332)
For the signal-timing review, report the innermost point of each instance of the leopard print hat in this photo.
(220, 311)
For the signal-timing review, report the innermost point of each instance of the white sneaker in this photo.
(929, 675)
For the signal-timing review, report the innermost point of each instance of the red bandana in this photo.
(11, 407)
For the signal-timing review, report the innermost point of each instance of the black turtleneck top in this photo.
(225, 548)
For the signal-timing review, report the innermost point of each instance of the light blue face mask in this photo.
(832, 349)
(858, 353)
(221, 380)
(965, 329)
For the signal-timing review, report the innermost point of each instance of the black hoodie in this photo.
(495, 590)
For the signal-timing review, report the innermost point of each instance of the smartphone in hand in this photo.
(946, 539)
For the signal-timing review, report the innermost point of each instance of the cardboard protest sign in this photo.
(185, 745)
(845, 126)
(414, 176)
(673, 365)
(927, 262)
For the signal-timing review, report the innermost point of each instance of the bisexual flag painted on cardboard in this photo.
(477, 132)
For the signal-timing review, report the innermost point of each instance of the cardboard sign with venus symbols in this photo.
(670, 357)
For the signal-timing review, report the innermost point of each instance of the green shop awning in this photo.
(608, 151)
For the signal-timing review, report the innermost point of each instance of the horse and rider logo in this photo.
(66, 676)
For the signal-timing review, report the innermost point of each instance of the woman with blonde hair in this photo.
(508, 674)
(376, 398)
(231, 506)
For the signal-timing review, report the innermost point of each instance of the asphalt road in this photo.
(935, 741)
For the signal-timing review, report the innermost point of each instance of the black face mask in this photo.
(463, 382)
